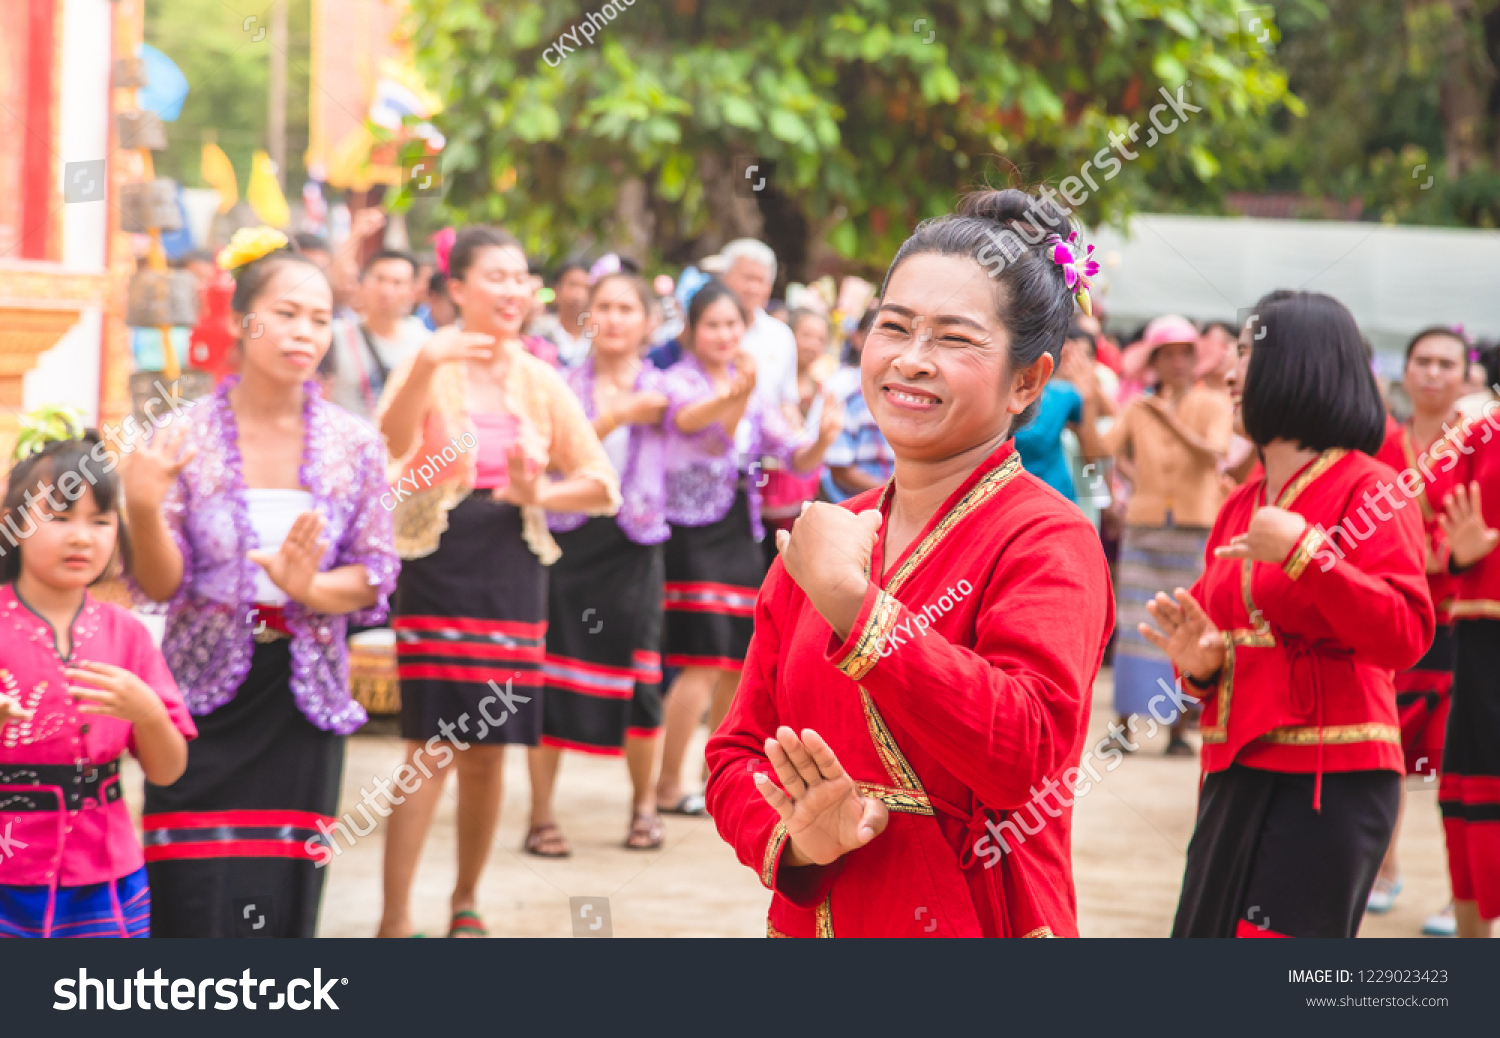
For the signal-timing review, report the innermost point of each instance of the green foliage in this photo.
(1371, 76)
(876, 113)
(229, 76)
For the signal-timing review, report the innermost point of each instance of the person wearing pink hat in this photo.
(1168, 443)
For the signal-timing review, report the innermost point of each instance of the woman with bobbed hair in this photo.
(919, 683)
(1313, 595)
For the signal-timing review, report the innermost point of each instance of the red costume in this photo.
(1306, 684)
(1469, 794)
(1301, 746)
(960, 698)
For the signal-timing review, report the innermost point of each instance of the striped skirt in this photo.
(1152, 559)
(603, 665)
(1423, 696)
(238, 839)
(471, 624)
(121, 908)
(713, 575)
(1469, 793)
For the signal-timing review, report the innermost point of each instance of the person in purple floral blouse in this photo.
(258, 530)
(719, 433)
(603, 663)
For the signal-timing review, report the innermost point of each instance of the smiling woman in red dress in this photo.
(924, 654)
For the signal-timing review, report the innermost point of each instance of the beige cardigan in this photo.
(554, 432)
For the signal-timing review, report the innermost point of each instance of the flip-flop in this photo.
(692, 805)
(466, 923)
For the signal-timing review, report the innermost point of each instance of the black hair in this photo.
(567, 265)
(306, 242)
(49, 468)
(1487, 356)
(710, 294)
(1006, 233)
(1309, 381)
(641, 289)
(252, 278)
(390, 254)
(437, 283)
(468, 243)
(1446, 333)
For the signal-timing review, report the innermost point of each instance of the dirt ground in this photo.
(1130, 835)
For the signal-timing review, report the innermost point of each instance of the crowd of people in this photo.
(880, 542)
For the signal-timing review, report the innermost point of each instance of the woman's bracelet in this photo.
(1208, 682)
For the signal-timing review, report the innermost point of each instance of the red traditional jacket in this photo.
(1477, 590)
(1434, 473)
(1312, 643)
(960, 698)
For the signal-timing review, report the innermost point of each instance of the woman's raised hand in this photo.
(150, 472)
(825, 815)
(1188, 637)
(832, 422)
(294, 565)
(1463, 523)
(1271, 536)
(10, 710)
(744, 375)
(452, 343)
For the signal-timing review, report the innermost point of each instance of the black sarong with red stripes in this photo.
(1469, 793)
(471, 625)
(713, 575)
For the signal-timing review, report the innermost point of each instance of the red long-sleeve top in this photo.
(960, 698)
(1312, 643)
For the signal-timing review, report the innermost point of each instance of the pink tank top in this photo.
(497, 433)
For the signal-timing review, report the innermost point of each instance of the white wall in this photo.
(69, 372)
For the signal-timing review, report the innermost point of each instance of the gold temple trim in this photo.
(1333, 735)
(823, 917)
(773, 850)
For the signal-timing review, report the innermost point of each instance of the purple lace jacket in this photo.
(209, 636)
(642, 516)
(703, 468)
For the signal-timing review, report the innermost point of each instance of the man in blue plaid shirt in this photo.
(859, 459)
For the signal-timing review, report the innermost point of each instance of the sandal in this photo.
(691, 805)
(466, 923)
(547, 841)
(645, 833)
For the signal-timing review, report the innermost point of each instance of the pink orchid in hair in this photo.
(1076, 270)
(442, 245)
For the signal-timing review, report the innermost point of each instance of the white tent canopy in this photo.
(1395, 280)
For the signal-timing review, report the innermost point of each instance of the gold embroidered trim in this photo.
(902, 800)
(1040, 931)
(896, 766)
(1475, 607)
(1333, 735)
(1324, 462)
(771, 931)
(981, 492)
(878, 627)
(823, 917)
(1306, 548)
(773, 849)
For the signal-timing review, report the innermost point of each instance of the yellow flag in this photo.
(264, 194)
(219, 174)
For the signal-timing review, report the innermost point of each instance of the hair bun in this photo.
(1012, 206)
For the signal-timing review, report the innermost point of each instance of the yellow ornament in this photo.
(250, 244)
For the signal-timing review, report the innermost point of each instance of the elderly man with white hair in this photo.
(750, 271)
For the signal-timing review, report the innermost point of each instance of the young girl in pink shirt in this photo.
(80, 683)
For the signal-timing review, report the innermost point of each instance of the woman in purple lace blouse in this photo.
(258, 530)
(720, 433)
(603, 664)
